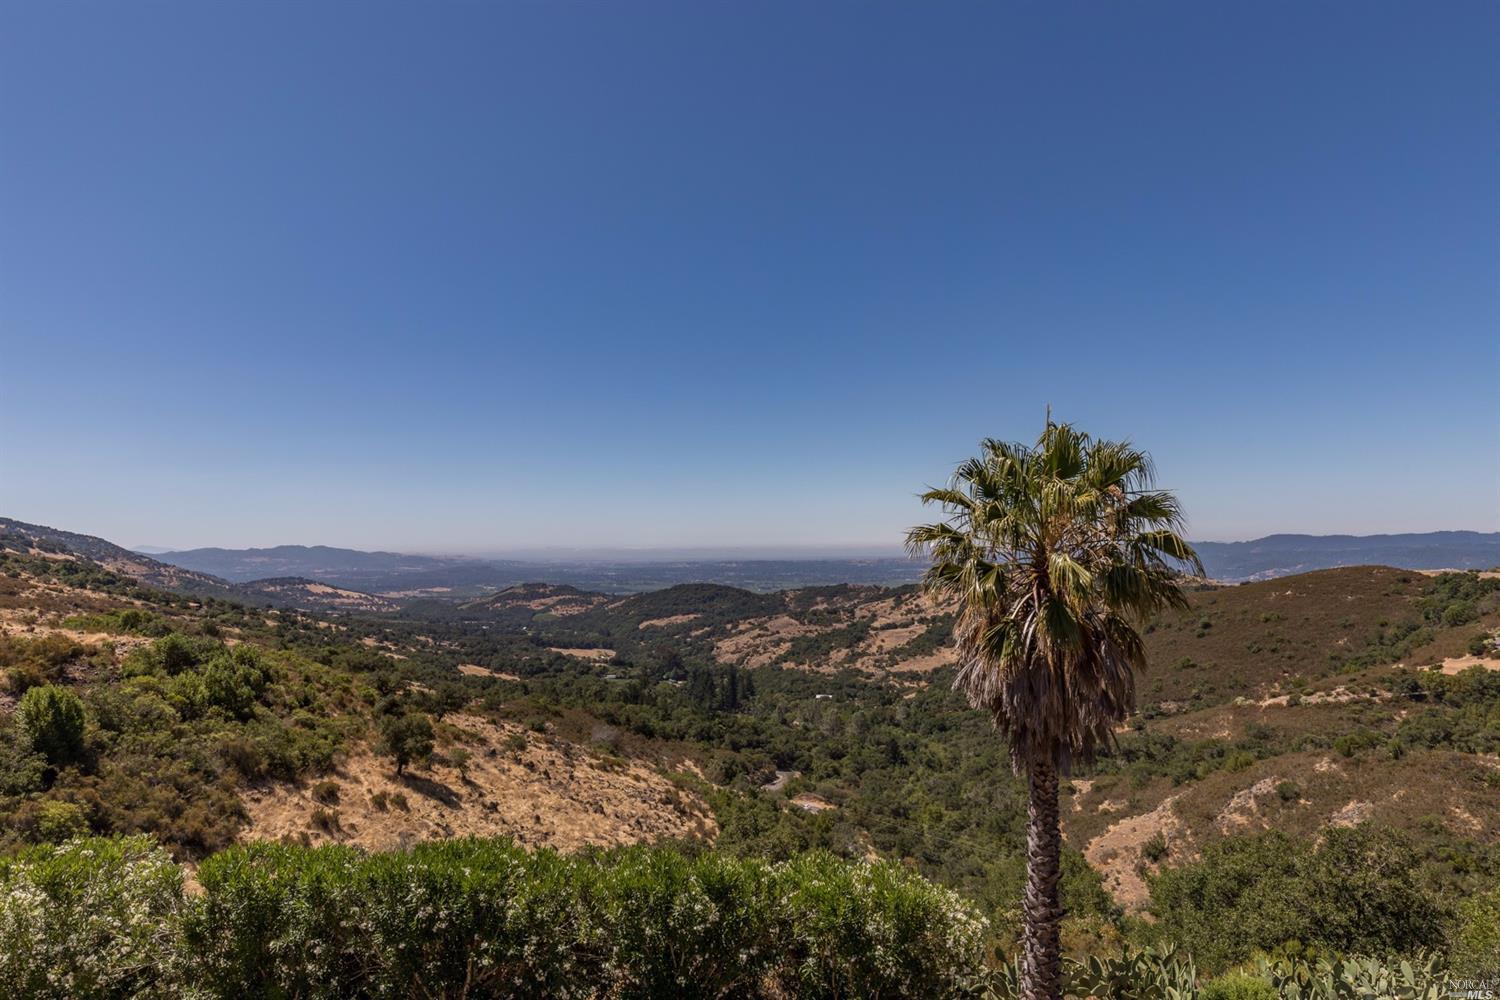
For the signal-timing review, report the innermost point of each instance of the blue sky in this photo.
(486, 276)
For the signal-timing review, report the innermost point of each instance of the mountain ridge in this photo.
(385, 572)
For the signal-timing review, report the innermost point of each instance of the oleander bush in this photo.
(706, 924)
(873, 930)
(89, 919)
(476, 918)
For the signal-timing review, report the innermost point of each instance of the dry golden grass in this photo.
(539, 790)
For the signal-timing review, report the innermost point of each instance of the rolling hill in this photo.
(765, 722)
(293, 592)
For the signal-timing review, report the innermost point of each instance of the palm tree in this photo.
(1054, 554)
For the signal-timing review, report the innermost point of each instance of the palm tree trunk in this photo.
(1041, 957)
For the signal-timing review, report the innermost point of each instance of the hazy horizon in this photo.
(489, 277)
(542, 554)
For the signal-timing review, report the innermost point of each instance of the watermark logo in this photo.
(1475, 988)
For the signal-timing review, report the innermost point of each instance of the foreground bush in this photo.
(477, 918)
(485, 916)
(91, 919)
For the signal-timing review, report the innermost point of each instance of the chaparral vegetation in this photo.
(706, 791)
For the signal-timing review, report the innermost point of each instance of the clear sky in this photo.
(489, 275)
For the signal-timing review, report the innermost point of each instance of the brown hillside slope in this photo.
(537, 789)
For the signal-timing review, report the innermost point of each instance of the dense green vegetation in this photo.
(1356, 891)
(158, 739)
(108, 918)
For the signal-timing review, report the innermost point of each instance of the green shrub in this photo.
(21, 769)
(170, 655)
(234, 681)
(91, 919)
(1238, 986)
(1476, 936)
(1357, 891)
(326, 820)
(1460, 613)
(704, 927)
(1239, 760)
(274, 920)
(50, 721)
(489, 918)
(406, 738)
(874, 930)
(57, 821)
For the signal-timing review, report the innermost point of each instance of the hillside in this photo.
(292, 592)
(18, 536)
(313, 595)
(211, 723)
(767, 723)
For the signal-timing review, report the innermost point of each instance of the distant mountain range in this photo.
(395, 573)
(324, 578)
(1284, 555)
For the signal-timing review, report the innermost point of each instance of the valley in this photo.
(762, 723)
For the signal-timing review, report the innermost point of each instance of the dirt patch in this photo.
(887, 639)
(932, 661)
(1353, 814)
(1116, 852)
(669, 620)
(475, 670)
(1337, 696)
(1326, 765)
(599, 655)
(1243, 808)
(812, 803)
(1465, 820)
(548, 793)
(1458, 664)
(760, 640)
(1081, 787)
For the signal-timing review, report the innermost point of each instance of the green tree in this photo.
(50, 720)
(234, 681)
(1054, 553)
(406, 738)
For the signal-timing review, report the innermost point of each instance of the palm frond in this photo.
(1056, 552)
